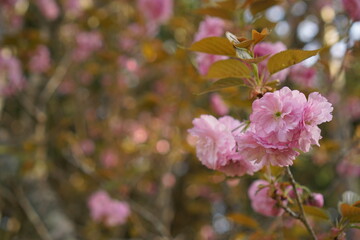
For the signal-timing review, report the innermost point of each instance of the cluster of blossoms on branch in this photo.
(109, 211)
(282, 123)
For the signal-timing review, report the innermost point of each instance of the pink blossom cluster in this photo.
(48, 8)
(210, 27)
(281, 124)
(352, 7)
(11, 76)
(109, 211)
(262, 200)
(40, 60)
(268, 48)
(156, 11)
(303, 76)
(263, 197)
(86, 44)
(216, 145)
(218, 105)
(13, 21)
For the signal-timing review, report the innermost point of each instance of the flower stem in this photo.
(302, 216)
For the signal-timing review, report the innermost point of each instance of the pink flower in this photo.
(109, 158)
(218, 105)
(254, 149)
(98, 205)
(215, 140)
(215, 145)
(48, 8)
(104, 209)
(352, 7)
(316, 200)
(86, 44)
(73, 6)
(87, 146)
(281, 122)
(276, 114)
(317, 110)
(265, 48)
(352, 108)
(210, 27)
(303, 76)
(11, 73)
(40, 60)
(348, 169)
(117, 213)
(156, 11)
(261, 200)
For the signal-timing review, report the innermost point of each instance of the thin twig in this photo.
(55, 81)
(302, 216)
(151, 218)
(32, 215)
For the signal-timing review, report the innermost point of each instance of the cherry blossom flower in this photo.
(218, 105)
(109, 211)
(40, 60)
(261, 200)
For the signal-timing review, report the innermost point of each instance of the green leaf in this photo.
(214, 45)
(228, 68)
(215, 12)
(261, 5)
(350, 213)
(244, 220)
(316, 212)
(223, 83)
(288, 58)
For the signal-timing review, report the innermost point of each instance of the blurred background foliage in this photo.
(107, 106)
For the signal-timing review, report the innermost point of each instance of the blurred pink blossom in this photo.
(109, 211)
(87, 146)
(73, 6)
(352, 108)
(40, 60)
(348, 169)
(303, 76)
(352, 7)
(48, 8)
(268, 48)
(109, 158)
(156, 11)
(207, 233)
(210, 27)
(261, 200)
(86, 44)
(218, 105)
(12, 79)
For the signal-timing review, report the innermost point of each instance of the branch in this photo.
(301, 216)
(151, 218)
(55, 81)
(32, 215)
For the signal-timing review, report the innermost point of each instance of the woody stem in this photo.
(302, 216)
